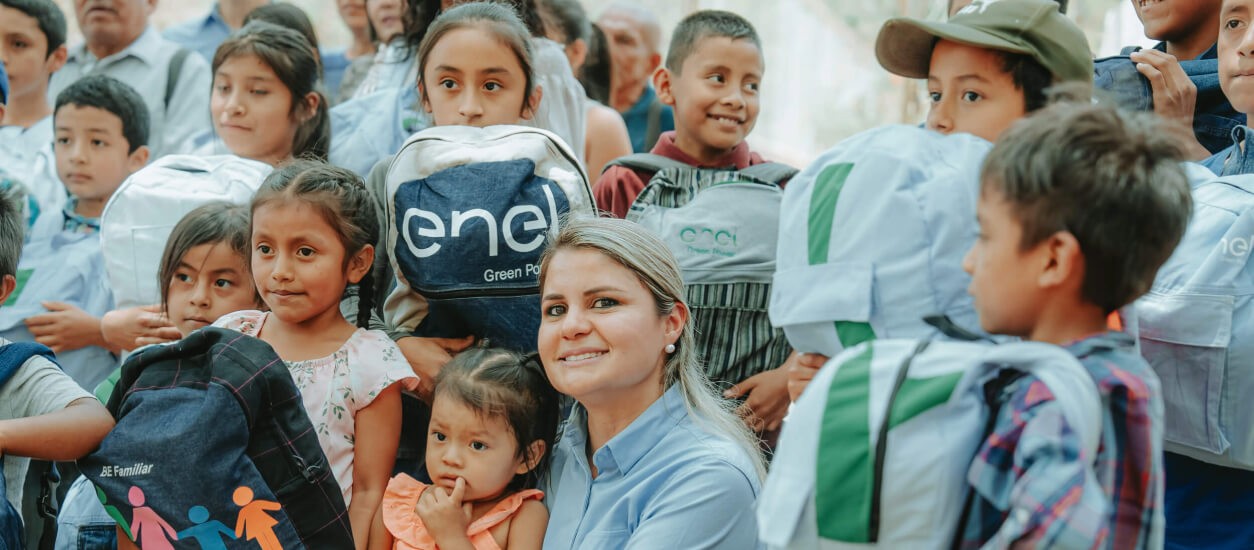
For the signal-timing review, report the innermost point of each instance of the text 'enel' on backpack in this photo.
(213, 444)
(1197, 328)
(140, 215)
(872, 237)
(723, 227)
(875, 452)
(12, 357)
(469, 211)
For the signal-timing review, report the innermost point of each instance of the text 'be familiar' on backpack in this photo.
(213, 446)
(140, 215)
(1197, 328)
(722, 226)
(469, 210)
(875, 452)
(872, 237)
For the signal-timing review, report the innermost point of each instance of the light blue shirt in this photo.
(202, 35)
(26, 154)
(664, 482)
(145, 65)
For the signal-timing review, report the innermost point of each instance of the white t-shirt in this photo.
(39, 387)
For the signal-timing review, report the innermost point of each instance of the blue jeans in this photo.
(83, 523)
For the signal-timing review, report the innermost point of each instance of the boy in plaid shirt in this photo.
(1070, 232)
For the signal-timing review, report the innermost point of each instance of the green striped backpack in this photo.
(872, 237)
(722, 227)
(875, 452)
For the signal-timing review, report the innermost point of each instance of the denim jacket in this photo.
(1214, 117)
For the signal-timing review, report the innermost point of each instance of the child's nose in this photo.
(940, 117)
(471, 106)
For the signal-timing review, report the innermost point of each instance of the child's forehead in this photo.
(713, 49)
(73, 116)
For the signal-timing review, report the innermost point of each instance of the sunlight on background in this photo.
(822, 81)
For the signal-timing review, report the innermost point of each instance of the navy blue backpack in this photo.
(213, 447)
(12, 357)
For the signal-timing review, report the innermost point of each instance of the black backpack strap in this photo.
(653, 130)
(881, 444)
(994, 399)
(773, 172)
(645, 162)
(949, 328)
(172, 77)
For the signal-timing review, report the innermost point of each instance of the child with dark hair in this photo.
(313, 233)
(493, 424)
(711, 78)
(101, 134)
(43, 413)
(1069, 234)
(288, 16)
(32, 45)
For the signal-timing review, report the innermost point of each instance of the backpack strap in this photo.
(773, 172)
(172, 77)
(881, 444)
(16, 354)
(653, 129)
(645, 162)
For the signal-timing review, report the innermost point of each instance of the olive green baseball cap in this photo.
(1032, 27)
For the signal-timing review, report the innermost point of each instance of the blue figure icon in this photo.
(207, 533)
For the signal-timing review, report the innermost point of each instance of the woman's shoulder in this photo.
(706, 450)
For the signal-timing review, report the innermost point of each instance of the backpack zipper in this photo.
(479, 293)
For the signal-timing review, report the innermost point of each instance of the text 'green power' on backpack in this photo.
(875, 452)
(723, 227)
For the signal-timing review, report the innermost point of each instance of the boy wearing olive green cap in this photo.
(990, 64)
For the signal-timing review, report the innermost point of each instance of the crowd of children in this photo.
(542, 383)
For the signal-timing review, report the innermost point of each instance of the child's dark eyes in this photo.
(492, 86)
(20, 44)
(304, 252)
(260, 92)
(448, 84)
(478, 446)
(438, 436)
(752, 86)
(223, 283)
(62, 141)
(182, 277)
(970, 97)
(717, 78)
(1232, 23)
(263, 248)
(935, 96)
(98, 143)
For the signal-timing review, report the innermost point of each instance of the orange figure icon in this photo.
(254, 522)
(150, 531)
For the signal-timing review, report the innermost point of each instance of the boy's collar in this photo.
(738, 158)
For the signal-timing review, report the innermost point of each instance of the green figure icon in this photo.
(114, 513)
(254, 521)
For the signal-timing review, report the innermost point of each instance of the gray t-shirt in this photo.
(39, 387)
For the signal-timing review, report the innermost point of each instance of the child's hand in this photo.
(428, 355)
(1175, 95)
(131, 328)
(65, 328)
(767, 401)
(801, 369)
(444, 514)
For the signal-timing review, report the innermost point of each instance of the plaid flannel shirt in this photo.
(1033, 484)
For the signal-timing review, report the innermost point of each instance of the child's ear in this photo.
(360, 264)
(56, 60)
(535, 452)
(311, 102)
(9, 283)
(533, 104)
(137, 159)
(662, 79)
(578, 52)
(1064, 261)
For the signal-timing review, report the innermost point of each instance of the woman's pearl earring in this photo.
(670, 348)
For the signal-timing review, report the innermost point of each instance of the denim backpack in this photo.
(212, 443)
(1197, 328)
(876, 451)
(140, 215)
(469, 210)
(872, 237)
(12, 357)
(723, 227)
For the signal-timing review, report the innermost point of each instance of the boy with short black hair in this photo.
(1068, 234)
(101, 129)
(712, 116)
(43, 413)
(1233, 49)
(32, 47)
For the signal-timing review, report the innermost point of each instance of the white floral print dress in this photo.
(335, 387)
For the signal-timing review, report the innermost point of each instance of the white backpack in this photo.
(140, 215)
(872, 236)
(845, 477)
(468, 211)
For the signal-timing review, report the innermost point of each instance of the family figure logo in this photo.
(151, 532)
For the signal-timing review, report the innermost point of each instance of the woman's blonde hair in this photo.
(634, 248)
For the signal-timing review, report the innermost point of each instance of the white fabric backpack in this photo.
(1197, 328)
(469, 210)
(872, 237)
(847, 473)
(140, 215)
